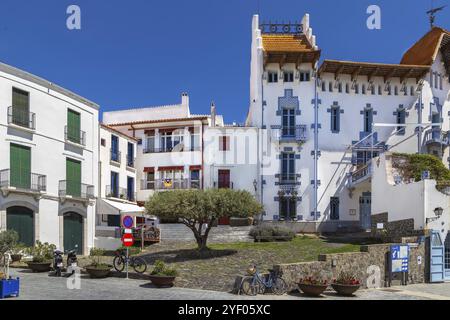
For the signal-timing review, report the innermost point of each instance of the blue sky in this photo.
(143, 52)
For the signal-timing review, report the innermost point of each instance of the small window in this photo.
(347, 88)
(356, 88)
(440, 82)
(334, 208)
(380, 90)
(224, 143)
(401, 119)
(389, 90)
(335, 119)
(305, 76)
(273, 77)
(288, 76)
(324, 86)
(340, 87)
(103, 142)
(411, 91)
(330, 86)
(363, 89)
(396, 90)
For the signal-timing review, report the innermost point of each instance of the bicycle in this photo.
(258, 284)
(137, 263)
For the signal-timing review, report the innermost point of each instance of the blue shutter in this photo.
(436, 257)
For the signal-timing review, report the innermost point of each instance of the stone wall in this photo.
(329, 266)
(316, 227)
(394, 230)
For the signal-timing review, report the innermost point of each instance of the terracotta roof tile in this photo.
(286, 43)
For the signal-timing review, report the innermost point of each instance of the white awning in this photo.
(119, 208)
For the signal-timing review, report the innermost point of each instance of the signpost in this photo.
(127, 238)
(399, 262)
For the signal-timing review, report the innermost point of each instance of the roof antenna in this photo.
(432, 13)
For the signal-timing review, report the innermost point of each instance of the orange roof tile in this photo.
(424, 51)
(286, 43)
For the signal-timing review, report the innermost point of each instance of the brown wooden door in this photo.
(224, 179)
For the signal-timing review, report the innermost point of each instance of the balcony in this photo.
(297, 134)
(437, 137)
(360, 175)
(21, 118)
(120, 193)
(32, 183)
(77, 137)
(178, 184)
(115, 156)
(74, 189)
(286, 179)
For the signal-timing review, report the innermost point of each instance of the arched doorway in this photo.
(21, 220)
(73, 232)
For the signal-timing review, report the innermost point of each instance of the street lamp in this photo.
(438, 213)
(255, 185)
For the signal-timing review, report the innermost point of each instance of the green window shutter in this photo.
(21, 107)
(73, 176)
(20, 166)
(73, 126)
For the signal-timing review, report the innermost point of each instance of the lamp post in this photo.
(438, 213)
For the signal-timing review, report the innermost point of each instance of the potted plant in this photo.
(97, 269)
(162, 276)
(346, 284)
(17, 252)
(42, 254)
(312, 286)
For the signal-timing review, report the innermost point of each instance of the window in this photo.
(305, 76)
(272, 77)
(288, 208)
(114, 192)
(169, 140)
(396, 90)
(324, 86)
(340, 87)
(115, 156)
(20, 108)
(150, 180)
(195, 179)
(114, 220)
(20, 166)
(431, 79)
(335, 119)
(334, 208)
(440, 81)
(330, 86)
(172, 179)
(195, 140)
(347, 88)
(130, 155)
(73, 132)
(130, 189)
(372, 89)
(363, 89)
(380, 90)
(356, 88)
(362, 157)
(103, 142)
(368, 119)
(401, 119)
(389, 90)
(224, 143)
(288, 76)
(411, 91)
(150, 142)
(288, 122)
(73, 177)
(287, 168)
(436, 80)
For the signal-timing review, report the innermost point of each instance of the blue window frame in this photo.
(130, 189)
(287, 167)
(130, 155)
(368, 119)
(401, 119)
(114, 148)
(335, 119)
(334, 208)
(288, 122)
(288, 208)
(114, 184)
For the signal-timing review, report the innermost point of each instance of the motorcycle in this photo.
(72, 260)
(58, 262)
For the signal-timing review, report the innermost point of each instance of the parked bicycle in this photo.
(259, 284)
(120, 261)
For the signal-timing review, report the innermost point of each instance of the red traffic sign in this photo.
(127, 240)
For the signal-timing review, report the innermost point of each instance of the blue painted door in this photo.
(436, 257)
(447, 258)
(365, 209)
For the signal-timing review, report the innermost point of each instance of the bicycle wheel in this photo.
(279, 286)
(250, 287)
(119, 264)
(139, 265)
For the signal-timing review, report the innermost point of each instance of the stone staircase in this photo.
(220, 234)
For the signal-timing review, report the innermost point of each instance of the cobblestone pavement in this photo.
(44, 287)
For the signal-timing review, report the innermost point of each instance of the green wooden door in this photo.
(73, 232)
(20, 166)
(21, 107)
(21, 220)
(73, 176)
(73, 126)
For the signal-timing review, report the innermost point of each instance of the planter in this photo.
(312, 289)
(9, 288)
(241, 222)
(98, 273)
(345, 289)
(162, 281)
(39, 266)
(16, 258)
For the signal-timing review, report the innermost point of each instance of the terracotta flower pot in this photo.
(312, 289)
(345, 289)
(16, 257)
(98, 272)
(39, 266)
(162, 281)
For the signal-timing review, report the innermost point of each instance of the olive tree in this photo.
(199, 210)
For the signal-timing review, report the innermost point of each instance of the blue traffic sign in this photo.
(128, 222)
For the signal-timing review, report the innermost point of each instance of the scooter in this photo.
(58, 262)
(72, 261)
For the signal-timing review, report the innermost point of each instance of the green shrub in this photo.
(160, 269)
(96, 255)
(268, 233)
(41, 252)
(8, 240)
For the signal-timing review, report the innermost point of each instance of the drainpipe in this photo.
(419, 118)
(316, 141)
(262, 147)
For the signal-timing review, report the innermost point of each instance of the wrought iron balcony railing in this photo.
(120, 193)
(170, 184)
(437, 136)
(291, 134)
(288, 179)
(21, 118)
(31, 182)
(361, 174)
(75, 136)
(76, 189)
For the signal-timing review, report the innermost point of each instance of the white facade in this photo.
(34, 194)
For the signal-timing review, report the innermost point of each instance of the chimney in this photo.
(213, 115)
(185, 99)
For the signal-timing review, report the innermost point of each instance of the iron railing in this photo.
(21, 118)
(120, 193)
(288, 178)
(170, 184)
(361, 173)
(115, 155)
(76, 189)
(436, 135)
(31, 182)
(288, 134)
(75, 136)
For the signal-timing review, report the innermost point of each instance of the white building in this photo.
(49, 161)
(320, 125)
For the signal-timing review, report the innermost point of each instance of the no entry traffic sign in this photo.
(127, 240)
